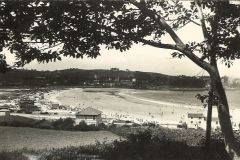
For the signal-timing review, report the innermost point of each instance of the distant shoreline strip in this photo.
(161, 102)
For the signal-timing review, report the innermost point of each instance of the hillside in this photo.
(97, 78)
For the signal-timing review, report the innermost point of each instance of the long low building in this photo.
(198, 120)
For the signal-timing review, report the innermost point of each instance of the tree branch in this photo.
(179, 44)
(144, 41)
(172, 20)
(158, 45)
(42, 49)
(194, 22)
(204, 28)
(37, 42)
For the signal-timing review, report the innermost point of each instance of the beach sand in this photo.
(123, 104)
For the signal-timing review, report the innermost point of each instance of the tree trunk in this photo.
(209, 117)
(224, 116)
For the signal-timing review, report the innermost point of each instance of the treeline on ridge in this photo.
(98, 78)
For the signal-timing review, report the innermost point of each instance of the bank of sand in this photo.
(124, 104)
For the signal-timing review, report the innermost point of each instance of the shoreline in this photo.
(121, 105)
(116, 103)
(162, 102)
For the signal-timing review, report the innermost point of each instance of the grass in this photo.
(15, 138)
(14, 119)
(142, 145)
(12, 156)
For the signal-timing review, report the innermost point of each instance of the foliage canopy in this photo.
(46, 31)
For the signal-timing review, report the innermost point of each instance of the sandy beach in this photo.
(123, 104)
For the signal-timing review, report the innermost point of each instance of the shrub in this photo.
(16, 123)
(67, 124)
(136, 125)
(149, 124)
(102, 126)
(63, 124)
(146, 145)
(82, 126)
(43, 124)
(3, 123)
(112, 126)
(57, 124)
(12, 156)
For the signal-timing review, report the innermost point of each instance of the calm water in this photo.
(187, 97)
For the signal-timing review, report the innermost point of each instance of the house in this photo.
(199, 120)
(195, 120)
(4, 112)
(235, 119)
(235, 125)
(5, 106)
(126, 82)
(90, 115)
(215, 121)
(55, 106)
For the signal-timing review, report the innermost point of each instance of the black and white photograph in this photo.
(119, 79)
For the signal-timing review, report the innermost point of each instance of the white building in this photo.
(215, 121)
(90, 115)
(199, 120)
(195, 120)
(4, 112)
(235, 118)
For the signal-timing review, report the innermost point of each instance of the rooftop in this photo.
(4, 106)
(195, 115)
(4, 110)
(89, 112)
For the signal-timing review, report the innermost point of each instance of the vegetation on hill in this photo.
(97, 78)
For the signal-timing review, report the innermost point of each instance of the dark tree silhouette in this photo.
(45, 31)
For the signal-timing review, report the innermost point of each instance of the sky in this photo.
(141, 58)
